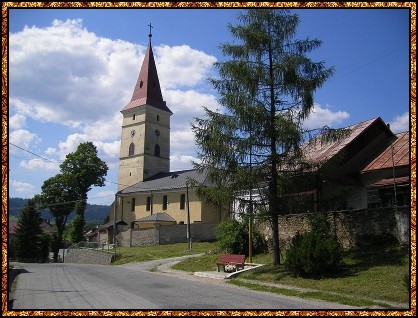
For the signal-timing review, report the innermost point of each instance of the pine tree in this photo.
(28, 242)
(266, 90)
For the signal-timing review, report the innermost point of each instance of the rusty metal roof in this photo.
(317, 152)
(396, 154)
(390, 181)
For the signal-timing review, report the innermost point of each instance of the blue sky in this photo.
(71, 71)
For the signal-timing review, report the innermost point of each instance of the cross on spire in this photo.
(150, 33)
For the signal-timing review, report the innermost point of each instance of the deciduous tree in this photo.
(83, 169)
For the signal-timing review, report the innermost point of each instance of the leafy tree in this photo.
(266, 89)
(60, 197)
(83, 169)
(28, 244)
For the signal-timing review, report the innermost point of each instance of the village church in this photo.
(149, 194)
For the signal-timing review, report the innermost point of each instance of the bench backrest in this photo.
(232, 258)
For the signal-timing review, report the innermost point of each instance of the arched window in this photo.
(157, 150)
(131, 149)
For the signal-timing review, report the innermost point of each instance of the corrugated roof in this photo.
(166, 181)
(157, 217)
(316, 151)
(400, 155)
(390, 181)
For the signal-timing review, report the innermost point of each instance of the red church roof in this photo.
(147, 89)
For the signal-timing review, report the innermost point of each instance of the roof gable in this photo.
(396, 154)
(318, 152)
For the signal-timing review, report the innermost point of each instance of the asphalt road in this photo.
(65, 286)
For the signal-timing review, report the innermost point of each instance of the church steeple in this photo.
(147, 89)
(145, 138)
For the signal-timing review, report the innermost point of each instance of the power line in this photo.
(43, 158)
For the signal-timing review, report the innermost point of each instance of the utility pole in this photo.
(189, 236)
(395, 202)
(250, 221)
(114, 224)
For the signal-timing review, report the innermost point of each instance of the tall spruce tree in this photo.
(266, 90)
(83, 169)
(28, 244)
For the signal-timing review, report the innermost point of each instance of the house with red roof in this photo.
(366, 168)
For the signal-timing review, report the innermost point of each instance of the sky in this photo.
(71, 71)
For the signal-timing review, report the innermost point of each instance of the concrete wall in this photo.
(87, 256)
(167, 234)
(352, 227)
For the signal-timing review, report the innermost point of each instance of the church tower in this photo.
(145, 140)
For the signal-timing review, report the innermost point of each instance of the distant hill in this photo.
(94, 212)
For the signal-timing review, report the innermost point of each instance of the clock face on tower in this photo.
(133, 132)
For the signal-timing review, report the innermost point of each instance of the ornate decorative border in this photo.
(4, 155)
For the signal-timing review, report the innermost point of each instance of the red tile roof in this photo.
(147, 89)
(400, 155)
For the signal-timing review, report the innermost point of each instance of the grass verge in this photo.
(368, 276)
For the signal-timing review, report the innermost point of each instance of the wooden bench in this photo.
(237, 260)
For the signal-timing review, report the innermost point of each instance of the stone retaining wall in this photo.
(352, 227)
(87, 256)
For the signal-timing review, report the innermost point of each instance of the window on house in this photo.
(133, 204)
(157, 150)
(148, 203)
(165, 202)
(182, 201)
(131, 149)
(158, 118)
(133, 117)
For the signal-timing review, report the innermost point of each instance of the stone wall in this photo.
(167, 234)
(352, 227)
(87, 256)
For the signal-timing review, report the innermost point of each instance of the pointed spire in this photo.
(147, 89)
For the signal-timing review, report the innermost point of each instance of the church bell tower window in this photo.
(131, 149)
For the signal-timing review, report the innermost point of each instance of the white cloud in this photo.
(22, 187)
(108, 149)
(182, 141)
(23, 138)
(321, 117)
(39, 164)
(17, 122)
(99, 196)
(181, 162)
(400, 123)
(182, 65)
(81, 78)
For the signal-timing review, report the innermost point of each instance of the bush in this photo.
(232, 237)
(314, 254)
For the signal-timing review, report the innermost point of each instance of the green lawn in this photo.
(373, 273)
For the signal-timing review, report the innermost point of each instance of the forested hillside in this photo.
(94, 212)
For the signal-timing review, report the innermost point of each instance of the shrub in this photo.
(232, 237)
(314, 254)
